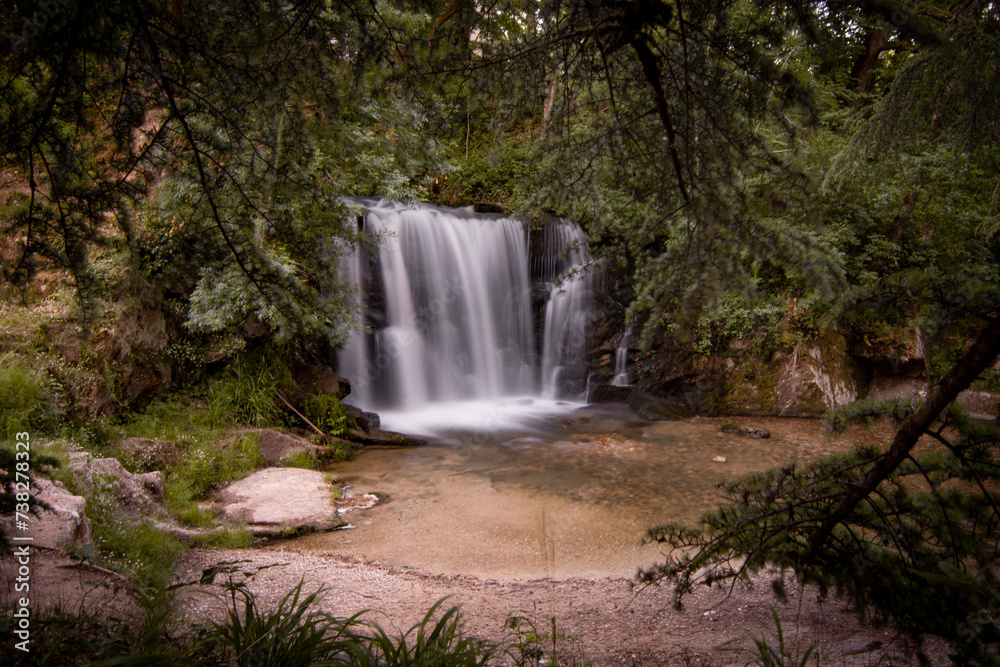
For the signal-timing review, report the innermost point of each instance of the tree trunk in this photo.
(865, 62)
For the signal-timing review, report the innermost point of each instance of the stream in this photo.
(563, 493)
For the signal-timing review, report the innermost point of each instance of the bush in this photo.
(25, 404)
(248, 394)
(327, 413)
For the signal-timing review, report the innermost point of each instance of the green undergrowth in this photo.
(242, 631)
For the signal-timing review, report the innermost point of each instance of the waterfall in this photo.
(621, 358)
(567, 312)
(447, 297)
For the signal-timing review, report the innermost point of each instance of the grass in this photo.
(25, 403)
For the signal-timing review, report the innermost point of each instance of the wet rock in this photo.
(653, 408)
(378, 437)
(133, 491)
(361, 420)
(313, 380)
(61, 523)
(816, 377)
(748, 431)
(608, 393)
(280, 502)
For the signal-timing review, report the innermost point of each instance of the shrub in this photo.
(327, 413)
(25, 404)
(248, 394)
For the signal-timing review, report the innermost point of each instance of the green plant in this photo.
(326, 412)
(305, 460)
(25, 404)
(136, 548)
(526, 645)
(205, 466)
(429, 642)
(247, 393)
(763, 654)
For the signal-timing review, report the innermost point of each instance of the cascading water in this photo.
(567, 312)
(447, 294)
(621, 378)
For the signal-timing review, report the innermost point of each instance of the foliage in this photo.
(247, 393)
(527, 645)
(138, 549)
(326, 412)
(432, 641)
(291, 634)
(207, 466)
(25, 404)
(764, 654)
(12, 496)
(306, 460)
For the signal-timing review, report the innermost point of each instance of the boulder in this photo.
(609, 393)
(133, 491)
(276, 446)
(653, 408)
(816, 377)
(313, 380)
(279, 502)
(378, 437)
(62, 522)
(361, 420)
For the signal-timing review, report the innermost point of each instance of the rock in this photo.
(646, 406)
(62, 524)
(133, 491)
(746, 431)
(608, 393)
(364, 421)
(388, 438)
(653, 408)
(313, 380)
(817, 377)
(276, 446)
(718, 459)
(280, 502)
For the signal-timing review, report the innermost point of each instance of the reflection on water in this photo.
(562, 495)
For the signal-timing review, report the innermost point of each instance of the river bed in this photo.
(564, 496)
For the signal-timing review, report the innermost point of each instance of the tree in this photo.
(213, 143)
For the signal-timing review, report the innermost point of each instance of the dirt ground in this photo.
(605, 621)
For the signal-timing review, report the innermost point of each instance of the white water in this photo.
(447, 294)
(621, 378)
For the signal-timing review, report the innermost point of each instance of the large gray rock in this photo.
(276, 446)
(281, 501)
(63, 522)
(134, 491)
